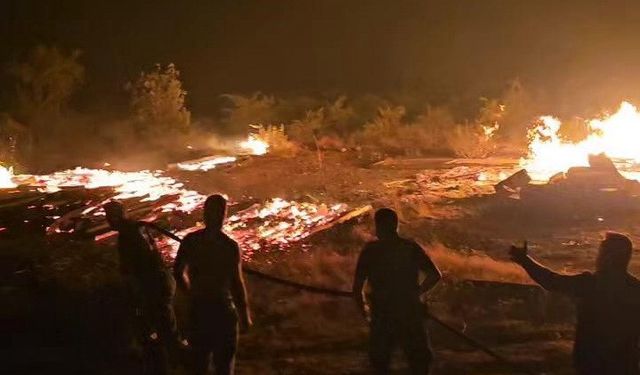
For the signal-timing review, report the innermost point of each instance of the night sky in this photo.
(578, 52)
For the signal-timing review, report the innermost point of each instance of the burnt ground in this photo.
(65, 312)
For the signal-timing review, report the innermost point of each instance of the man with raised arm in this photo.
(208, 266)
(392, 266)
(149, 282)
(607, 307)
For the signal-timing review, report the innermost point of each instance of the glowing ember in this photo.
(490, 130)
(6, 178)
(491, 177)
(255, 145)
(276, 224)
(147, 185)
(206, 164)
(615, 135)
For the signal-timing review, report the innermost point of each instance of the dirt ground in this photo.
(463, 225)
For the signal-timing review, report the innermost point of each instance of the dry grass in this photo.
(475, 266)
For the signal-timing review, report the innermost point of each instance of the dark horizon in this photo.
(580, 54)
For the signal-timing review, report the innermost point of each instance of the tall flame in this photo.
(616, 135)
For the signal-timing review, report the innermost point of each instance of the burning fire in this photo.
(206, 164)
(276, 224)
(147, 185)
(255, 145)
(6, 178)
(614, 135)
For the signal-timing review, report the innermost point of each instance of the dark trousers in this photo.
(214, 335)
(404, 330)
(601, 361)
(157, 326)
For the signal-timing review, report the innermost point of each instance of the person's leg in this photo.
(167, 327)
(154, 346)
(226, 344)
(200, 339)
(200, 359)
(165, 334)
(416, 346)
(380, 345)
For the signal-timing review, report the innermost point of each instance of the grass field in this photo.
(64, 308)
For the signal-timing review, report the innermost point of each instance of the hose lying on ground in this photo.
(340, 293)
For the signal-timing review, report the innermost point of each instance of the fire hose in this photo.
(341, 293)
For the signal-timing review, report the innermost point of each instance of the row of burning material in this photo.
(68, 203)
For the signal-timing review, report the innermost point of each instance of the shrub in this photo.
(306, 130)
(383, 133)
(389, 134)
(158, 102)
(276, 138)
(328, 122)
(46, 81)
(477, 139)
(431, 129)
(246, 110)
(520, 110)
(471, 141)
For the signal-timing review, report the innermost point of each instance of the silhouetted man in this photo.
(150, 282)
(209, 266)
(608, 307)
(392, 266)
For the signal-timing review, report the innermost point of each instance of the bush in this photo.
(244, 111)
(471, 141)
(383, 133)
(520, 110)
(431, 129)
(276, 138)
(46, 81)
(477, 139)
(389, 134)
(158, 102)
(307, 130)
(327, 123)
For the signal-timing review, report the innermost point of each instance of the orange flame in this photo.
(6, 178)
(615, 135)
(254, 145)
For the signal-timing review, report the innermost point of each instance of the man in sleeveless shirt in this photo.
(392, 266)
(208, 266)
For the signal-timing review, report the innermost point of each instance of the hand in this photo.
(245, 324)
(518, 253)
(366, 313)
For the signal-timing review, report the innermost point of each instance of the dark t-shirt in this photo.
(608, 317)
(139, 257)
(211, 260)
(392, 267)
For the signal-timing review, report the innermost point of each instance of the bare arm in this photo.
(545, 277)
(431, 272)
(180, 266)
(359, 281)
(239, 293)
